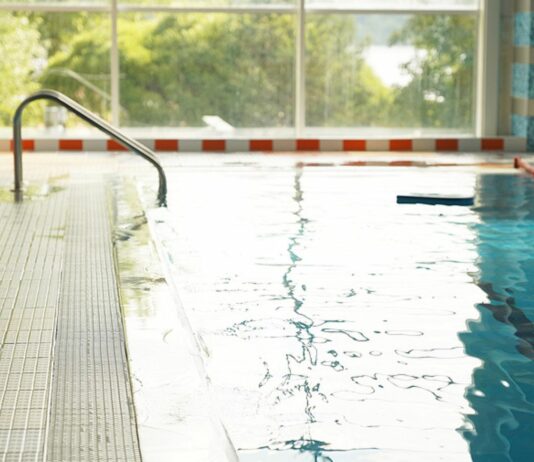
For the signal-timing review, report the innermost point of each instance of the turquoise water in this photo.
(502, 389)
(337, 325)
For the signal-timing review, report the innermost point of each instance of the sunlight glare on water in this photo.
(336, 323)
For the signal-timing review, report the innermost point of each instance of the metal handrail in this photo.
(93, 120)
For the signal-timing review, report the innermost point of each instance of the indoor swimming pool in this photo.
(336, 325)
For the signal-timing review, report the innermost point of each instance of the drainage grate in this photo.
(92, 416)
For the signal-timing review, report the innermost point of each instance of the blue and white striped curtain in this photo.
(523, 72)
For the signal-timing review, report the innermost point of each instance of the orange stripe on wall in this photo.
(492, 144)
(213, 145)
(261, 145)
(307, 145)
(27, 145)
(447, 145)
(113, 145)
(166, 145)
(400, 145)
(70, 145)
(354, 145)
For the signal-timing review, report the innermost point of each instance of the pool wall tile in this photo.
(515, 144)
(424, 145)
(284, 145)
(307, 145)
(148, 143)
(331, 145)
(400, 145)
(469, 145)
(113, 145)
(237, 146)
(378, 145)
(70, 145)
(190, 145)
(214, 145)
(492, 144)
(448, 144)
(166, 145)
(261, 145)
(354, 145)
(47, 145)
(94, 145)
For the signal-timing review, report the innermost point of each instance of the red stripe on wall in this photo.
(113, 145)
(214, 145)
(70, 145)
(27, 145)
(447, 145)
(307, 145)
(400, 145)
(261, 145)
(492, 144)
(166, 145)
(401, 163)
(354, 145)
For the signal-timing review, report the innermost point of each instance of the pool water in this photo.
(337, 325)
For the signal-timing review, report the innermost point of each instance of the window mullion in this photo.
(300, 69)
(114, 62)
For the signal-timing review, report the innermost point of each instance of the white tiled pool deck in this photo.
(65, 392)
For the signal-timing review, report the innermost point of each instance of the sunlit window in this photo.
(374, 66)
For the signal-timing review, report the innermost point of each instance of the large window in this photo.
(177, 68)
(313, 66)
(392, 71)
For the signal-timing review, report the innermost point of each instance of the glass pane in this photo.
(377, 4)
(57, 2)
(68, 52)
(402, 71)
(213, 3)
(178, 68)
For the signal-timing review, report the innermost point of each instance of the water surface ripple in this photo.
(338, 325)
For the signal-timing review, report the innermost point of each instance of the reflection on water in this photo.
(502, 391)
(302, 327)
(338, 325)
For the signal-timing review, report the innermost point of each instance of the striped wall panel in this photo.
(498, 144)
(523, 72)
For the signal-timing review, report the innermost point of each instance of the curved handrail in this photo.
(93, 120)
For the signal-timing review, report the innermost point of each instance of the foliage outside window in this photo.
(177, 67)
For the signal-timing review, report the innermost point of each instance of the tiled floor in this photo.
(65, 392)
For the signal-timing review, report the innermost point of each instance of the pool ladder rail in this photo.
(95, 121)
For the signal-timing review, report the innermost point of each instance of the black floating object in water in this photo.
(436, 199)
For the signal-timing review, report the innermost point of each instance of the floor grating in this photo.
(65, 393)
